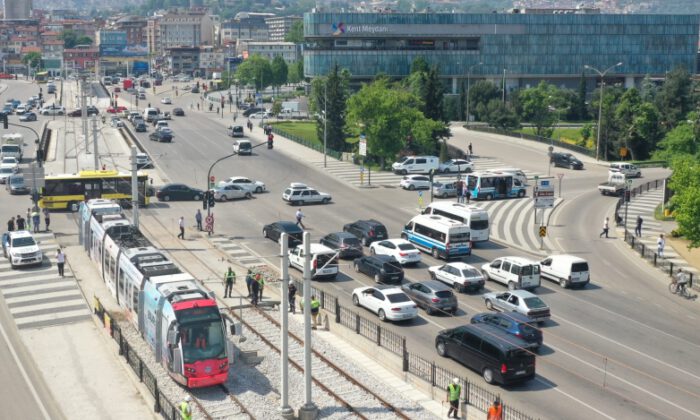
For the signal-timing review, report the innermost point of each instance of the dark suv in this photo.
(513, 323)
(566, 160)
(367, 230)
(347, 244)
(254, 110)
(383, 268)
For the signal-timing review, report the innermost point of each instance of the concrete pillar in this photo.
(629, 82)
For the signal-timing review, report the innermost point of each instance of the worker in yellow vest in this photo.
(185, 409)
(315, 306)
(453, 392)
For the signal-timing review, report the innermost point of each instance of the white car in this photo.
(5, 171)
(456, 165)
(390, 304)
(298, 193)
(58, 110)
(10, 160)
(166, 130)
(245, 183)
(261, 115)
(230, 192)
(20, 110)
(415, 182)
(166, 101)
(21, 249)
(116, 122)
(459, 275)
(403, 251)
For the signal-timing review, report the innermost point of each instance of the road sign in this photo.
(363, 145)
(543, 231)
(544, 194)
(212, 179)
(560, 176)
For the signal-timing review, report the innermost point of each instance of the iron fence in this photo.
(304, 142)
(546, 140)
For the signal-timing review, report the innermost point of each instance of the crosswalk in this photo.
(38, 297)
(241, 255)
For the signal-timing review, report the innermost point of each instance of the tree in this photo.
(674, 98)
(69, 37)
(256, 70)
(685, 182)
(329, 95)
(83, 40)
(681, 141)
(625, 112)
(32, 59)
(645, 131)
(432, 95)
(648, 90)
(480, 94)
(579, 110)
(419, 65)
(538, 109)
(501, 115)
(279, 71)
(296, 33)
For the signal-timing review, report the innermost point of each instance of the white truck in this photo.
(324, 261)
(615, 185)
(21, 249)
(12, 146)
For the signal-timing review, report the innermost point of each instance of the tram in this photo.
(178, 319)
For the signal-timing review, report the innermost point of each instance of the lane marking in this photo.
(556, 388)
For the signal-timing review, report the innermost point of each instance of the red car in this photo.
(117, 89)
(113, 110)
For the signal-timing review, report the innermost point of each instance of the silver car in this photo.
(520, 301)
(444, 189)
(245, 183)
(231, 192)
(432, 295)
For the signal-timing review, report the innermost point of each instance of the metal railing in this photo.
(545, 140)
(311, 145)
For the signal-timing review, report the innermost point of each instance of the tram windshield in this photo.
(202, 341)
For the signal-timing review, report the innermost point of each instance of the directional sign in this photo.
(363, 145)
(543, 231)
(544, 194)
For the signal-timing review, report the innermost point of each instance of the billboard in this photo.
(116, 50)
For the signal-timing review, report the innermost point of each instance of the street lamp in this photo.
(325, 120)
(600, 102)
(469, 73)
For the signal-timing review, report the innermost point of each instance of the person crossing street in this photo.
(230, 278)
(606, 227)
(299, 215)
(198, 219)
(181, 225)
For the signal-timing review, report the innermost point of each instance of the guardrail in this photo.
(315, 146)
(162, 405)
(545, 140)
(427, 370)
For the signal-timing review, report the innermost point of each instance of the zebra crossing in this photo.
(38, 297)
(237, 253)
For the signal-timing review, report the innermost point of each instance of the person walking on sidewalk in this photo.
(60, 262)
(454, 390)
(638, 229)
(292, 293)
(185, 409)
(11, 224)
(260, 279)
(36, 221)
(47, 218)
(660, 245)
(198, 218)
(230, 278)
(315, 307)
(495, 410)
(606, 227)
(181, 224)
(299, 215)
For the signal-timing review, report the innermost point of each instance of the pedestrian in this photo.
(471, 151)
(235, 116)
(638, 229)
(20, 223)
(28, 220)
(458, 188)
(210, 224)
(198, 218)
(292, 291)
(181, 224)
(660, 244)
(255, 291)
(495, 410)
(60, 261)
(249, 281)
(465, 191)
(299, 216)
(11, 224)
(261, 284)
(36, 220)
(230, 278)
(454, 390)
(47, 218)
(185, 409)
(197, 106)
(606, 227)
(315, 306)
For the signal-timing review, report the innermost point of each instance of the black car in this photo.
(254, 110)
(91, 110)
(141, 127)
(566, 160)
(347, 244)
(513, 323)
(160, 136)
(383, 268)
(178, 112)
(367, 230)
(170, 192)
(195, 89)
(496, 355)
(275, 230)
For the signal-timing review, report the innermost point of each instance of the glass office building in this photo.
(525, 47)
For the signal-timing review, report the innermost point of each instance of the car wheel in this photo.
(166, 198)
(511, 285)
(377, 278)
(325, 201)
(248, 195)
(563, 283)
(489, 304)
(428, 310)
(368, 242)
(356, 267)
(486, 275)
(441, 349)
(461, 288)
(521, 193)
(296, 203)
(223, 198)
(372, 251)
(489, 197)
(404, 172)
(258, 190)
(196, 197)
(432, 275)
(265, 234)
(382, 315)
(487, 374)
(411, 187)
(435, 253)
(355, 300)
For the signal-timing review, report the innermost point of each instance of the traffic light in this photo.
(205, 200)
(3, 118)
(211, 199)
(627, 196)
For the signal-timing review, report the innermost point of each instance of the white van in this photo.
(473, 216)
(567, 270)
(629, 170)
(242, 147)
(416, 165)
(150, 114)
(517, 173)
(324, 261)
(514, 272)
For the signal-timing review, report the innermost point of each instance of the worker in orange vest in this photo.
(495, 411)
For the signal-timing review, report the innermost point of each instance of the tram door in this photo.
(93, 189)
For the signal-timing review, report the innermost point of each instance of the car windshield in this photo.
(6, 170)
(534, 303)
(529, 270)
(406, 247)
(16, 180)
(471, 272)
(398, 298)
(25, 241)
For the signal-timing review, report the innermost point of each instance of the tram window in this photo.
(124, 186)
(109, 186)
(135, 299)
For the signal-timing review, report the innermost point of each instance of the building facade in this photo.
(183, 60)
(521, 48)
(17, 9)
(80, 59)
(279, 26)
(289, 51)
(134, 27)
(246, 26)
(187, 28)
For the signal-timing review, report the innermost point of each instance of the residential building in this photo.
(192, 27)
(135, 28)
(81, 58)
(210, 61)
(279, 26)
(183, 60)
(246, 26)
(17, 9)
(288, 50)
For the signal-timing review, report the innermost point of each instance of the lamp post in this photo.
(600, 102)
(469, 73)
(325, 120)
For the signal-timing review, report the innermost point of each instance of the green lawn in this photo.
(303, 129)
(566, 134)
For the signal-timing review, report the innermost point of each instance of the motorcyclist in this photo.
(681, 279)
(269, 140)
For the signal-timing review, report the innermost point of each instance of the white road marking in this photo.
(556, 388)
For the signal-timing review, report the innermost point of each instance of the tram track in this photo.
(346, 390)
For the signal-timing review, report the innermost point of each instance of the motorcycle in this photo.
(269, 144)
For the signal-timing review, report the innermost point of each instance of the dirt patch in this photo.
(681, 247)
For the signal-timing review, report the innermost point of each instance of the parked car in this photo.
(21, 249)
(433, 296)
(275, 230)
(260, 115)
(298, 194)
(166, 101)
(459, 275)
(415, 182)
(497, 356)
(403, 251)
(513, 323)
(347, 244)
(15, 184)
(28, 116)
(389, 304)
(444, 189)
(382, 268)
(367, 231)
(161, 136)
(245, 183)
(456, 165)
(567, 270)
(143, 161)
(231, 192)
(566, 160)
(178, 112)
(141, 127)
(520, 301)
(171, 192)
